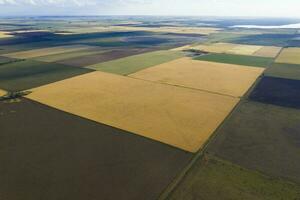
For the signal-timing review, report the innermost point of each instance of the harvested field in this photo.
(277, 91)
(2, 92)
(215, 48)
(210, 174)
(180, 117)
(70, 55)
(236, 59)
(125, 66)
(101, 57)
(268, 51)
(290, 56)
(280, 70)
(48, 154)
(46, 51)
(244, 49)
(232, 80)
(28, 74)
(261, 137)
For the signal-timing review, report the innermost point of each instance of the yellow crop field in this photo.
(46, 51)
(2, 93)
(289, 55)
(215, 48)
(227, 79)
(4, 34)
(244, 49)
(181, 117)
(182, 48)
(268, 51)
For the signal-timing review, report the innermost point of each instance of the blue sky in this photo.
(271, 8)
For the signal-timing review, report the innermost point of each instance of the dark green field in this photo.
(48, 154)
(288, 71)
(211, 178)
(236, 59)
(29, 74)
(261, 137)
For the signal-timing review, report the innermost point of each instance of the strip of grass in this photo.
(29, 74)
(236, 59)
(128, 65)
(289, 71)
(213, 178)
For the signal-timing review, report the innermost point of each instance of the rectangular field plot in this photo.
(74, 158)
(244, 49)
(70, 55)
(232, 80)
(289, 55)
(46, 51)
(83, 61)
(4, 34)
(236, 59)
(277, 91)
(280, 70)
(4, 60)
(128, 65)
(28, 74)
(2, 92)
(268, 51)
(210, 174)
(177, 116)
(261, 137)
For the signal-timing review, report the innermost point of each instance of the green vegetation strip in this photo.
(29, 74)
(236, 59)
(128, 65)
(213, 178)
(289, 71)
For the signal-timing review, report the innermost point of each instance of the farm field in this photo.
(210, 174)
(128, 65)
(277, 91)
(2, 92)
(95, 59)
(287, 71)
(169, 114)
(290, 56)
(4, 60)
(63, 151)
(236, 59)
(268, 51)
(259, 136)
(28, 74)
(231, 80)
(45, 51)
(4, 34)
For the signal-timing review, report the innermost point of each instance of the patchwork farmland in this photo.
(148, 109)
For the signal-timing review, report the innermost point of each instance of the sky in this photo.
(249, 8)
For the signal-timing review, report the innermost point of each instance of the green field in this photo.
(211, 178)
(236, 59)
(128, 65)
(29, 74)
(289, 71)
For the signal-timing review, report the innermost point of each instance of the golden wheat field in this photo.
(268, 51)
(46, 51)
(289, 55)
(180, 117)
(227, 79)
(215, 48)
(244, 49)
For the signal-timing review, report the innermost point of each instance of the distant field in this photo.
(128, 65)
(5, 60)
(74, 158)
(28, 74)
(233, 80)
(180, 117)
(277, 91)
(46, 51)
(236, 59)
(260, 136)
(2, 92)
(280, 70)
(244, 49)
(212, 178)
(88, 60)
(215, 48)
(290, 56)
(4, 34)
(268, 51)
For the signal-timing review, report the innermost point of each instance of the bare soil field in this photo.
(48, 154)
(180, 117)
(228, 79)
